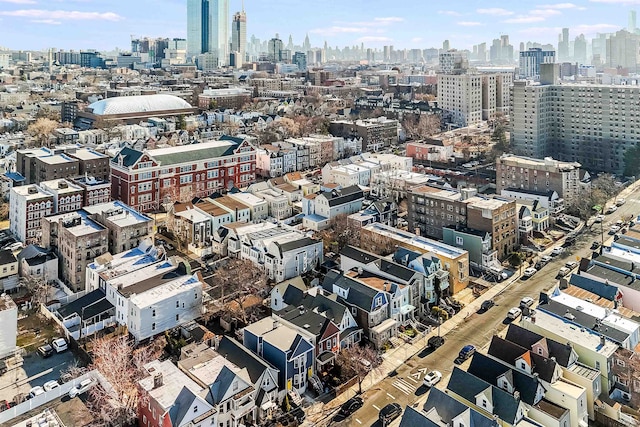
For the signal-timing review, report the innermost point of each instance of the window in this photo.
(145, 187)
(188, 168)
(620, 362)
(177, 317)
(153, 326)
(153, 313)
(144, 165)
(459, 240)
(177, 304)
(212, 174)
(186, 179)
(195, 408)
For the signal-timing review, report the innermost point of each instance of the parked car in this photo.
(35, 391)
(526, 302)
(46, 351)
(571, 265)
(466, 352)
(611, 209)
(432, 378)
(50, 385)
(546, 259)
(528, 272)
(435, 341)
(563, 272)
(299, 415)
(621, 201)
(599, 218)
(557, 251)
(59, 345)
(595, 245)
(486, 305)
(80, 388)
(614, 229)
(351, 406)
(514, 313)
(170, 246)
(389, 413)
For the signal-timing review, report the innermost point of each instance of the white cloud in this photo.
(374, 39)
(19, 1)
(449, 12)
(46, 21)
(470, 23)
(388, 19)
(62, 15)
(628, 2)
(522, 19)
(495, 11)
(561, 6)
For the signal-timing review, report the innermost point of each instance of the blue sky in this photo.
(101, 24)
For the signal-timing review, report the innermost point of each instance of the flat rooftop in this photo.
(88, 154)
(438, 193)
(156, 294)
(86, 226)
(62, 186)
(558, 328)
(423, 243)
(230, 203)
(35, 195)
(57, 159)
(122, 215)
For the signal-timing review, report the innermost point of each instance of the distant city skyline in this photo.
(105, 25)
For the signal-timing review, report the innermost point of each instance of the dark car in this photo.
(207, 257)
(299, 415)
(435, 342)
(45, 351)
(466, 352)
(170, 247)
(486, 305)
(389, 413)
(351, 406)
(595, 245)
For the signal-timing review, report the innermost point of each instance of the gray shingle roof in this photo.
(241, 356)
(526, 338)
(469, 386)
(510, 352)
(194, 155)
(359, 294)
(181, 405)
(597, 287)
(448, 408)
(129, 157)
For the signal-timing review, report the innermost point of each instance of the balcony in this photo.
(243, 410)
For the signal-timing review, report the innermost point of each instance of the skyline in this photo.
(105, 25)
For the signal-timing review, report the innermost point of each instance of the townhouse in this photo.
(320, 209)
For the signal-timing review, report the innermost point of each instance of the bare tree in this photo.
(340, 234)
(122, 365)
(418, 126)
(38, 288)
(42, 129)
(357, 361)
(240, 279)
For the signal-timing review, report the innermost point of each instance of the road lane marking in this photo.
(376, 408)
(413, 379)
(358, 421)
(391, 396)
(404, 386)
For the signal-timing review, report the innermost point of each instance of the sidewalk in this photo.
(396, 357)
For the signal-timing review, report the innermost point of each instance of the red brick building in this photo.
(146, 179)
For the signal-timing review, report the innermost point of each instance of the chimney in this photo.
(157, 380)
(216, 342)
(301, 308)
(603, 340)
(275, 324)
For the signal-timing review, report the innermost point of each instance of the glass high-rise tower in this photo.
(239, 34)
(208, 28)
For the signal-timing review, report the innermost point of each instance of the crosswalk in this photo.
(404, 386)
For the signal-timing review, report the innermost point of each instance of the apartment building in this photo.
(586, 123)
(320, 209)
(127, 227)
(454, 260)
(67, 196)
(27, 206)
(146, 179)
(431, 208)
(65, 161)
(497, 216)
(468, 98)
(274, 161)
(531, 174)
(77, 240)
(374, 133)
(95, 191)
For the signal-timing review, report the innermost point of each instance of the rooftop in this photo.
(193, 152)
(173, 380)
(423, 243)
(118, 213)
(77, 223)
(138, 104)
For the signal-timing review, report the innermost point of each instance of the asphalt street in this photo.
(404, 386)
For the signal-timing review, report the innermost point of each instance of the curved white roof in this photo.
(138, 104)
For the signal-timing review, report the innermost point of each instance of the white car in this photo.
(35, 391)
(80, 388)
(514, 313)
(611, 209)
(59, 345)
(50, 385)
(557, 251)
(526, 302)
(432, 378)
(529, 272)
(599, 218)
(621, 201)
(614, 229)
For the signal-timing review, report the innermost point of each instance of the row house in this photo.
(95, 190)
(369, 306)
(146, 179)
(547, 199)
(286, 349)
(293, 295)
(283, 252)
(67, 196)
(320, 209)
(381, 211)
(273, 161)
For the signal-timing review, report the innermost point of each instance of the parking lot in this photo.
(34, 372)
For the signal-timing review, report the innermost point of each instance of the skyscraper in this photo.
(208, 28)
(632, 21)
(563, 45)
(239, 34)
(275, 49)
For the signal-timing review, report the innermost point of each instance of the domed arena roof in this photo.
(138, 104)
